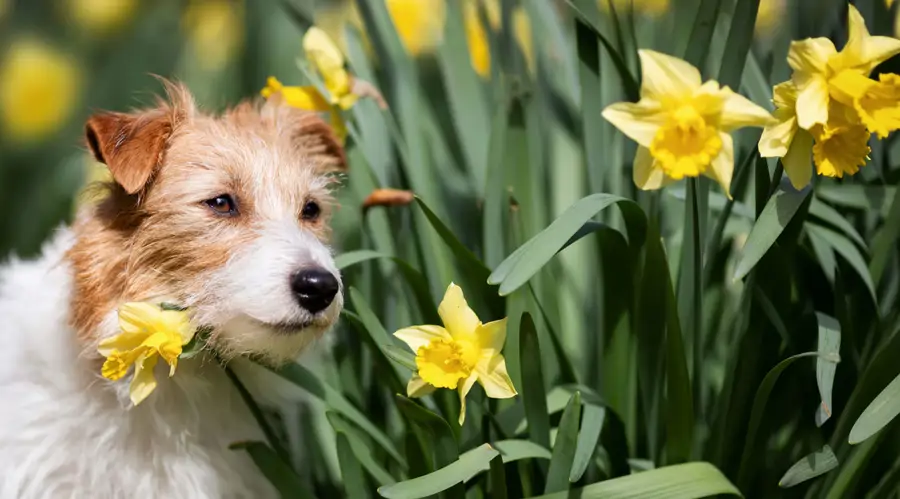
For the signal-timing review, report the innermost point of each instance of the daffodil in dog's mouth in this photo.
(149, 332)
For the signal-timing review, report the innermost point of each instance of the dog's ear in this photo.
(131, 145)
(317, 140)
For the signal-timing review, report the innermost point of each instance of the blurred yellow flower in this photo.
(148, 333)
(459, 354)
(681, 124)
(477, 36)
(420, 23)
(342, 88)
(649, 7)
(39, 89)
(769, 16)
(215, 30)
(101, 16)
(831, 106)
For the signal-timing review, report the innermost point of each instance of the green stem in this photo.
(696, 320)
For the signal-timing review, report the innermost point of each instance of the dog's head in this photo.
(227, 215)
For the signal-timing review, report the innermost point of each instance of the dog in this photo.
(224, 214)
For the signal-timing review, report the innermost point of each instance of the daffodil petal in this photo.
(322, 51)
(458, 318)
(798, 160)
(419, 336)
(417, 387)
(647, 176)
(123, 342)
(639, 121)
(810, 56)
(664, 75)
(812, 103)
(494, 378)
(722, 167)
(492, 336)
(464, 387)
(740, 112)
(785, 95)
(144, 382)
(863, 51)
(776, 139)
(135, 317)
(307, 97)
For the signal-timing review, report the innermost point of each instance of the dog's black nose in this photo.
(314, 288)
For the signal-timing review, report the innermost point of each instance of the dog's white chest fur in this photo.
(65, 431)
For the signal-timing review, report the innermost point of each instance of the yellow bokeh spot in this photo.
(215, 31)
(39, 89)
(101, 16)
(420, 23)
(769, 16)
(649, 7)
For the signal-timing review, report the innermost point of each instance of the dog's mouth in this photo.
(286, 328)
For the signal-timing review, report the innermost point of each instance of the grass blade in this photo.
(467, 466)
(826, 365)
(564, 447)
(588, 437)
(811, 466)
(680, 481)
(283, 478)
(533, 395)
(351, 471)
(881, 411)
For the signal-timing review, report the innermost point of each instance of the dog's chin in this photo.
(273, 343)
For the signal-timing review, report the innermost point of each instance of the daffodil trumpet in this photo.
(149, 332)
(459, 354)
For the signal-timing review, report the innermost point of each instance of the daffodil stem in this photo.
(737, 190)
(267, 430)
(696, 319)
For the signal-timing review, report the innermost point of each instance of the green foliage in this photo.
(680, 345)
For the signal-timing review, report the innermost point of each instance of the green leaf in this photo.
(871, 198)
(525, 262)
(442, 439)
(629, 82)
(351, 471)
(779, 210)
(465, 95)
(533, 395)
(283, 478)
(361, 448)
(826, 365)
(467, 466)
(884, 242)
(829, 215)
(516, 450)
(811, 466)
(495, 195)
(881, 411)
(756, 414)
(701, 34)
(680, 481)
(740, 38)
(197, 343)
(401, 356)
(417, 282)
(591, 100)
(679, 399)
(588, 437)
(564, 447)
(258, 415)
(302, 377)
(848, 251)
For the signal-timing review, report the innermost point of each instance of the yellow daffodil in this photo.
(681, 124)
(830, 106)
(148, 333)
(101, 16)
(39, 89)
(816, 64)
(769, 17)
(343, 89)
(459, 354)
(477, 35)
(420, 23)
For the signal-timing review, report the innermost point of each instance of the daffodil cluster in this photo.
(459, 354)
(682, 125)
(343, 90)
(830, 106)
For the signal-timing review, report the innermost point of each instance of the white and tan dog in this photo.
(224, 214)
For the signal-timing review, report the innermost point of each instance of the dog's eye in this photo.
(222, 205)
(311, 211)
